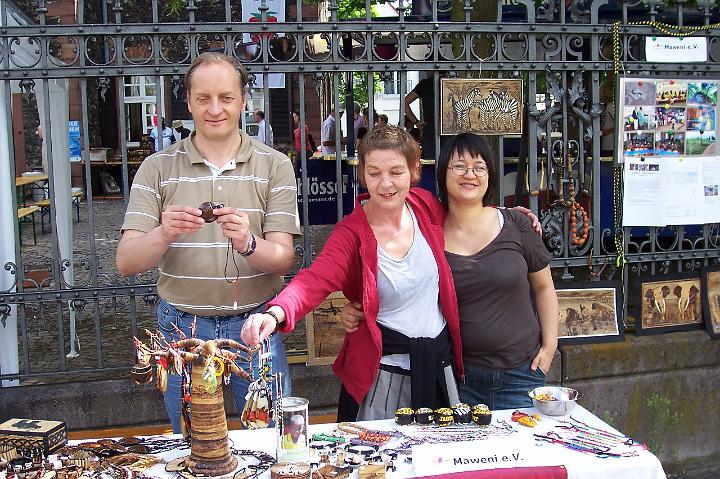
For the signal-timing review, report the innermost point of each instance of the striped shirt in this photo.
(192, 271)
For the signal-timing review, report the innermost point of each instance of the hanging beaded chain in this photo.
(667, 29)
(575, 239)
(258, 410)
(279, 422)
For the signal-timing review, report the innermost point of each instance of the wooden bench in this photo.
(44, 206)
(26, 214)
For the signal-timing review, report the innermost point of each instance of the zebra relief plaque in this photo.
(484, 106)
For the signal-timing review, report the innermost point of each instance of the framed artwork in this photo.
(483, 106)
(670, 302)
(325, 333)
(589, 313)
(710, 293)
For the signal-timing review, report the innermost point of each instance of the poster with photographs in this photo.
(670, 303)
(668, 145)
(589, 313)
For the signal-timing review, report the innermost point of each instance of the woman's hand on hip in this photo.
(543, 360)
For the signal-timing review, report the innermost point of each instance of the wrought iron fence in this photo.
(562, 53)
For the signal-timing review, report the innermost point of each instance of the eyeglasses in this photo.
(461, 170)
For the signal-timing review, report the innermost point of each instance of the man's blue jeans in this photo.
(500, 389)
(212, 327)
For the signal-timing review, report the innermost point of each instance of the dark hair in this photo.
(260, 113)
(467, 144)
(390, 137)
(213, 57)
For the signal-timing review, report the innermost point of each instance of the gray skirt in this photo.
(391, 391)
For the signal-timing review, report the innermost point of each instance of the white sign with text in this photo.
(434, 459)
(676, 49)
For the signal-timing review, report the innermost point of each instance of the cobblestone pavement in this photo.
(105, 326)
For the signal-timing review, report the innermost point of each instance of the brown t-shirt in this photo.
(498, 323)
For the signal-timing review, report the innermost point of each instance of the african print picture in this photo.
(711, 300)
(325, 332)
(670, 303)
(589, 314)
(482, 106)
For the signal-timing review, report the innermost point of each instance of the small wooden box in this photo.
(30, 435)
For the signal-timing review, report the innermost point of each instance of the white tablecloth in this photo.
(579, 465)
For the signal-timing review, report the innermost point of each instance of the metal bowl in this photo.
(564, 400)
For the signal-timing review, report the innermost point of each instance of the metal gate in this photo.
(75, 316)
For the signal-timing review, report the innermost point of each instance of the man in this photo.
(182, 132)
(327, 133)
(357, 119)
(213, 273)
(425, 91)
(262, 128)
(167, 139)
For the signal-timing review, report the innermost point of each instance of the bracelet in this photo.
(252, 245)
(274, 315)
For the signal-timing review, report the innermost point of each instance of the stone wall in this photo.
(662, 390)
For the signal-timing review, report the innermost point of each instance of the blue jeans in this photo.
(212, 327)
(500, 389)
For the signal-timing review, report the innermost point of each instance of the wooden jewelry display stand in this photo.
(212, 361)
(209, 447)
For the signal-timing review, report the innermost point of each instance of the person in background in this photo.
(382, 119)
(362, 131)
(212, 275)
(265, 133)
(383, 254)
(357, 118)
(327, 132)
(309, 141)
(167, 139)
(425, 91)
(182, 132)
(499, 264)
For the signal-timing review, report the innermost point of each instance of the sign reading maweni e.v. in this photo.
(435, 459)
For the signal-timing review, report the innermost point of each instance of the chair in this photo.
(44, 206)
(26, 214)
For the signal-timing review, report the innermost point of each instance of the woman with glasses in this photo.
(497, 261)
(498, 264)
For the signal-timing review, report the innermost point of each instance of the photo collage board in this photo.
(668, 117)
(668, 145)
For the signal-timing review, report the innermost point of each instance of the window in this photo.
(140, 108)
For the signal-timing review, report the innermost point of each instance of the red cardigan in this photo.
(349, 263)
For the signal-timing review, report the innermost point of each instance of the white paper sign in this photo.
(434, 459)
(711, 189)
(643, 195)
(683, 191)
(676, 49)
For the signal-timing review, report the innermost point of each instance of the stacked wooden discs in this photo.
(210, 452)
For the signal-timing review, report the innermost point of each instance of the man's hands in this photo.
(351, 315)
(235, 226)
(179, 219)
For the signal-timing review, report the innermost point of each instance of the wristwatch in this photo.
(252, 245)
